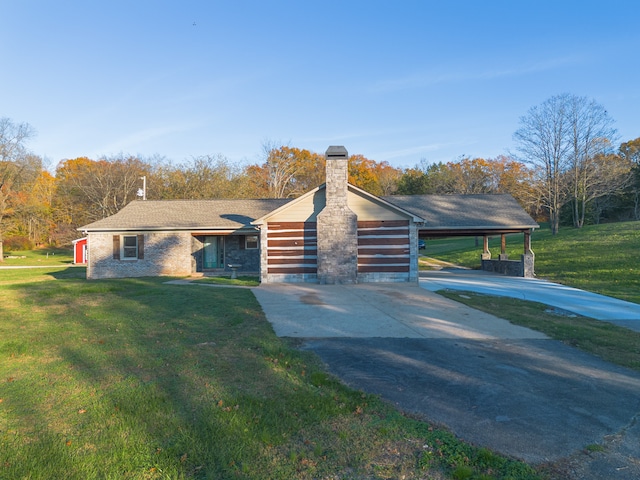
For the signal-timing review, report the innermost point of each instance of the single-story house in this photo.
(336, 233)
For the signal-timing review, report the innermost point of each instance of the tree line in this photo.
(567, 170)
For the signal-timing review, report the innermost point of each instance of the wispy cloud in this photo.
(429, 78)
(412, 151)
(138, 140)
(357, 134)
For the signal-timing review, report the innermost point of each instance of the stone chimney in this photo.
(337, 225)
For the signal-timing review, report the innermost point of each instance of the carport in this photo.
(480, 215)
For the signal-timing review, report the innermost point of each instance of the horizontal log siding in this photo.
(383, 268)
(292, 248)
(383, 246)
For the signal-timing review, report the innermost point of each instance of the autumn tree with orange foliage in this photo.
(32, 213)
(286, 172)
(378, 178)
(471, 176)
(17, 168)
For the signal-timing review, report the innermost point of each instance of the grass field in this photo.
(610, 342)
(142, 380)
(139, 379)
(598, 258)
(38, 257)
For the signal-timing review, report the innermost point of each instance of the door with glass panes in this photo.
(213, 252)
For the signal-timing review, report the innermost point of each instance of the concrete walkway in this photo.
(491, 383)
(600, 307)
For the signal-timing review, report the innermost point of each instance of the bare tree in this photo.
(631, 152)
(593, 172)
(14, 163)
(203, 177)
(565, 139)
(281, 168)
(98, 189)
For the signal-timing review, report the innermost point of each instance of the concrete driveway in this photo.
(492, 383)
(600, 307)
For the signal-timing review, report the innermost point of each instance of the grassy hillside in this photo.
(599, 258)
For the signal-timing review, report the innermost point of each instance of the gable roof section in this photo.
(380, 200)
(466, 212)
(438, 212)
(186, 215)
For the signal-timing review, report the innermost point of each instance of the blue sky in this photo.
(396, 80)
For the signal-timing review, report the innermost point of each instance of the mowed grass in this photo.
(610, 342)
(240, 281)
(37, 257)
(598, 258)
(142, 380)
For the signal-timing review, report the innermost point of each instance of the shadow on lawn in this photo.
(165, 365)
(69, 273)
(147, 378)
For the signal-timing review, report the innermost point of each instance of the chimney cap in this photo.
(335, 151)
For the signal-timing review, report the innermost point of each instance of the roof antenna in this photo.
(142, 192)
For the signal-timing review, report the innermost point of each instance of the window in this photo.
(251, 242)
(129, 246)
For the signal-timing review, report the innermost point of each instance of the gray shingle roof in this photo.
(186, 215)
(441, 212)
(481, 211)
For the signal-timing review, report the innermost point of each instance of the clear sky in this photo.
(394, 80)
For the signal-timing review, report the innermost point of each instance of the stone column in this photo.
(528, 258)
(337, 224)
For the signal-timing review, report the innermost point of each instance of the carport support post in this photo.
(503, 248)
(486, 253)
(527, 243)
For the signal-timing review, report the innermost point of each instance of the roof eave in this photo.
(248, 228)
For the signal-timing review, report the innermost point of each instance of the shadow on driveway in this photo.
(493, 384)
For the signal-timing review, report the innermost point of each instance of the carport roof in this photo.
(466, 213)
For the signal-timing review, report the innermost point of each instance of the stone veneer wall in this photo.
(511, 268)
(165, 253)
(337, 225)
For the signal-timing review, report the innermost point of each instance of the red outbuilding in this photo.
(80, 251)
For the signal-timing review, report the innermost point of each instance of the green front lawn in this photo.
(139, 379)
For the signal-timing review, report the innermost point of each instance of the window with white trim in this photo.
(129, 247)
(251, 242)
